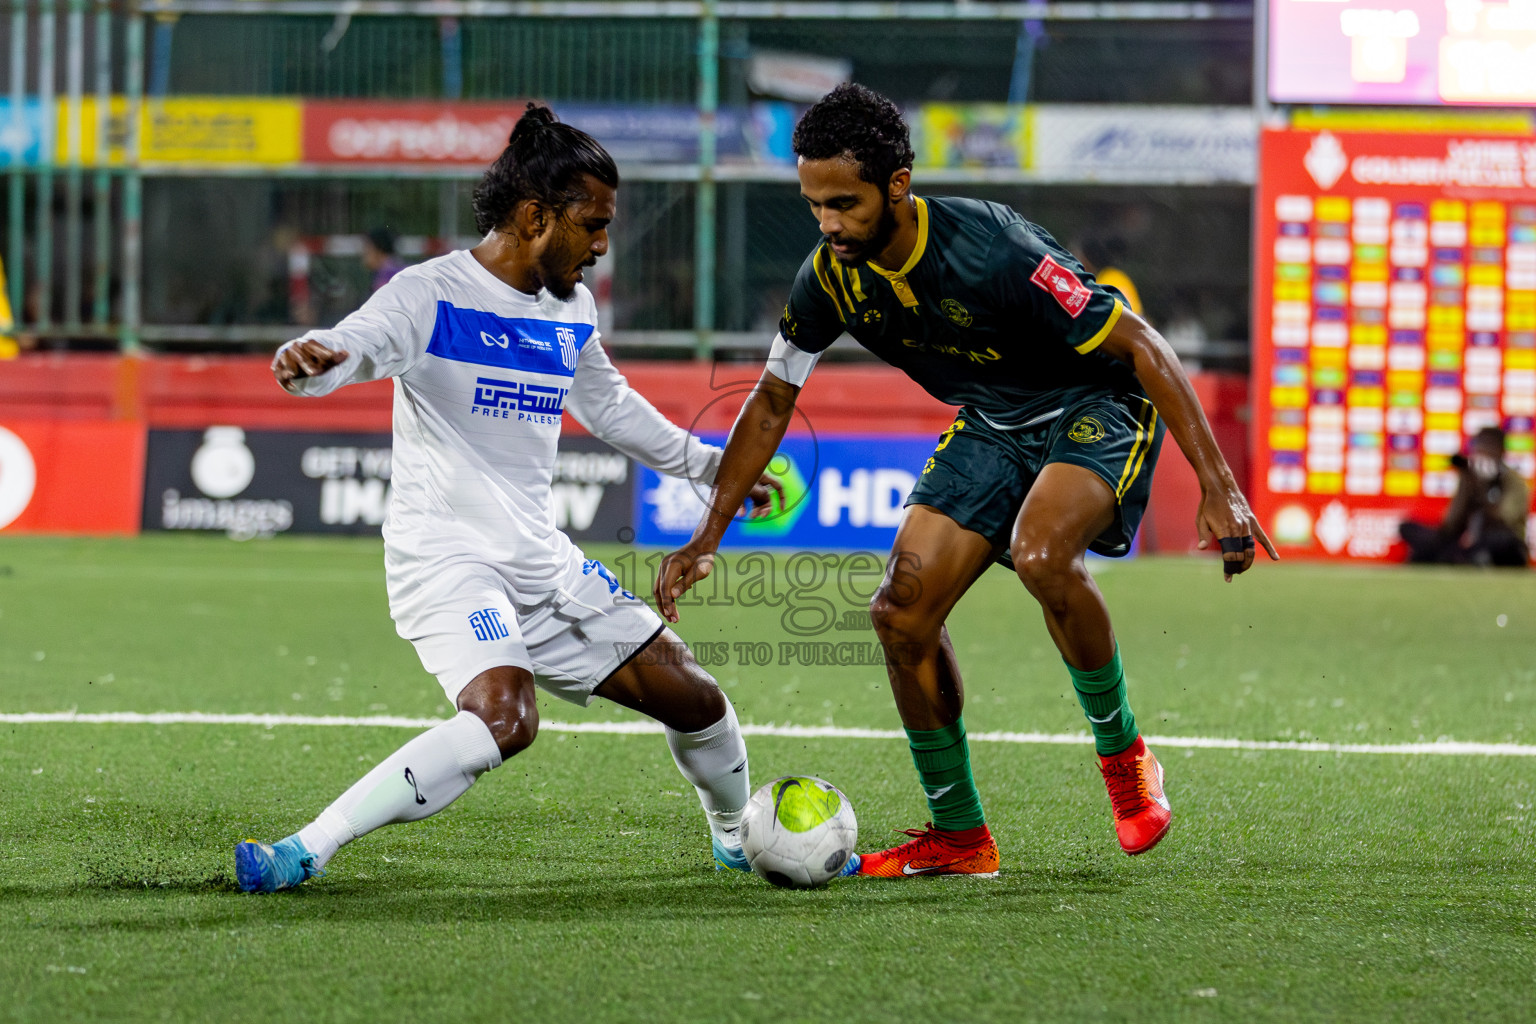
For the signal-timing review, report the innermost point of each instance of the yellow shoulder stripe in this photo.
(819, 263)
(1109, 325)
(842, 283)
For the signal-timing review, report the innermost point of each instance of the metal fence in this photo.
(104, 247)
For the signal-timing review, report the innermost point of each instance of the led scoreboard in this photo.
(1418, 52)
(1394, 317)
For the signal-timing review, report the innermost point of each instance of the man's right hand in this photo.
(678, 572)
(307, 358)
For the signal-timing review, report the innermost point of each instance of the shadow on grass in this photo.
(167, 900)
(137, 879)
(131, 847)
(416, 896)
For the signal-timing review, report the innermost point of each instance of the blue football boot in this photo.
(850, 868)
(729, 860)
(283, 865)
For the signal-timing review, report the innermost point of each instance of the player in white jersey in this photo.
(487, 348)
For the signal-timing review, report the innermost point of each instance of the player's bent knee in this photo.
(505, 700)
(514, 725)
(1045, 569)
(901, 623)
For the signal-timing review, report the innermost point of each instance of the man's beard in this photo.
(876, 243)
(557, 284)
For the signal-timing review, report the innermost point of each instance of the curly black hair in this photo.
(544, 161)
(856, 122)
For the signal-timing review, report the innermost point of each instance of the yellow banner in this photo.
(189, 130)
(971, 135)
(1432, 121)
(8, 347)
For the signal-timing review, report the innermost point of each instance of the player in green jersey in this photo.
(1064, 397)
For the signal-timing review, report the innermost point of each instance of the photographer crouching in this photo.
(1485, 523)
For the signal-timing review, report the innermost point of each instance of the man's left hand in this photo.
(1225, 517)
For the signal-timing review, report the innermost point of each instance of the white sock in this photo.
(715, 761)
(416, 781)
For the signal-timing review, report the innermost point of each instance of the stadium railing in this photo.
(158, 183)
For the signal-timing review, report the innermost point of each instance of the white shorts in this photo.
(464, 617)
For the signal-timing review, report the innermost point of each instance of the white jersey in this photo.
(482, 375)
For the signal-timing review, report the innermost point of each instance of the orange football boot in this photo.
(934, 851)
(1135, 783)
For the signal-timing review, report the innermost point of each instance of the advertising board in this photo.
(474, 133)
(1089, 142)
(1394, 317)
(258, 483)
(840, 492)
(21, 132)
(359, 131)
(70, 476)
(189, 130)
(971, 135)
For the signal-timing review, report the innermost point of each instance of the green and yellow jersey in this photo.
(989, 312)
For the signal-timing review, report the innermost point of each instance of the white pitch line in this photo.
(1444, 747)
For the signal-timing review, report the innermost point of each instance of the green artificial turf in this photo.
(574, 883)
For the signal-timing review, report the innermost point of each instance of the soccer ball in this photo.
(798, 831)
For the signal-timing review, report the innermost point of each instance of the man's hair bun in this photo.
(535, 116)
(544, 160)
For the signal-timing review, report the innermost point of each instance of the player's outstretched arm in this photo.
(603, 402)
(383, 338)
(1224, 514)
(754, 439)
(304, 358)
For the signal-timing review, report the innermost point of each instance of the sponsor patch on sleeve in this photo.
(1070, 293)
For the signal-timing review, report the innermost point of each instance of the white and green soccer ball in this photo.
(798, 831)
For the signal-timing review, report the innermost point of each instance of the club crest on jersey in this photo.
(1086, 430)
(487, 625)
(872, 317)
(787, 325)
(1063, 286)
(956, 312)
(568, 353)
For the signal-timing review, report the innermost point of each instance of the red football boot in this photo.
(1135, 783)
(934, 851)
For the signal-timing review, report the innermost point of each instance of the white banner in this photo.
(1144, 144)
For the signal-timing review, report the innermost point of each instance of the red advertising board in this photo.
(71, 476)
(407, 133)
(1394, 317)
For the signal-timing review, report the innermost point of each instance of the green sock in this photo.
(944, 766)
(1102, 695)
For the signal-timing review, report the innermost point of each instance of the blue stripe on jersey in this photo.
(535, 346)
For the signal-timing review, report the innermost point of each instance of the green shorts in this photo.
(979, 475)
